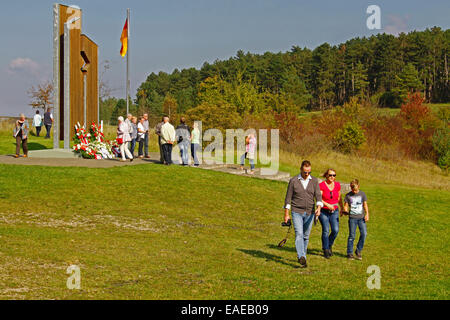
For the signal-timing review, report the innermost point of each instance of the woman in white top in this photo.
(195, 143)
(141, 136)
(37, 123)
(123, 133)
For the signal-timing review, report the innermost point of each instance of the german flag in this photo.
(124, 40)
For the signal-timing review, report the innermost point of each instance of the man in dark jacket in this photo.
(48, 122)
(158, 132)
(300, 195)
(183, 136)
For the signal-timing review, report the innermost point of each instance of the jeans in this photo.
(132, 146)
(167, 150)
(48, 127)
(328, 218)
(352, 223)
(184, 152)
(194, 149)
(38, 131)
(302, 226)
(146, 144)
(252, 161)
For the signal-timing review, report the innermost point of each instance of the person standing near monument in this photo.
(123, 135)
(141, 137)
(146, 127)
(134, 134)
(167, 140)
(37, 120)
(158, 132)
(300, 195)
(21, 135)
(48, 122)
(183, 136)
(195, 143)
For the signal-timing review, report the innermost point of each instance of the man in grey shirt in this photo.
(146, 128)
(300, 195)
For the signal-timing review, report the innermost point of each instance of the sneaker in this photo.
(147, 157)
(25, 156)
(326, 253)
(358, 255)
(350, 256)
(16, 156)
(302, 262)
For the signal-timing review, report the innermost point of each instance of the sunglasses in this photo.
(332, 175)
(307, 172)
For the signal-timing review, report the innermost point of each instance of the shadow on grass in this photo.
(317, 252)
(268, 257)
(36, 146)
(314, 252)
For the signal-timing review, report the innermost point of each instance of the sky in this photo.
(169, 34)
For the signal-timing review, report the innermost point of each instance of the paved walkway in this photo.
(154, 159)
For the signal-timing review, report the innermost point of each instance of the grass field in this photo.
(187, 233)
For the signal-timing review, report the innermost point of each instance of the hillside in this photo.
(186, 233)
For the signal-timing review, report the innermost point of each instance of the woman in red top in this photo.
(329, 215)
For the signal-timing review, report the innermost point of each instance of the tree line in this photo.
(382, 69)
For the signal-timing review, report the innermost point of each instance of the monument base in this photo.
(54, 153)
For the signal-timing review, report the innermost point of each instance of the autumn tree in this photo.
(170, 105)
(41, 96)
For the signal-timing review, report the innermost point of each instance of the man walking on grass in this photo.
(300, 195)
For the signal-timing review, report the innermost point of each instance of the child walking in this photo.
(355, 205)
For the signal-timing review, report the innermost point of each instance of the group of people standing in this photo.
(309, 201)
(21, 130)
(130, 131)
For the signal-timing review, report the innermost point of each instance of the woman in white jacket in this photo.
(123, 133)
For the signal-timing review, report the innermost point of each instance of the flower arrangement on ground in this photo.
(92, 144)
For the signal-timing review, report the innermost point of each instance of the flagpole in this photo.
(128, 62)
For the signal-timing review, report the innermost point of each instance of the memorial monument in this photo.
(75, 74)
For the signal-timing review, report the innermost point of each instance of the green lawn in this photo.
(186, 233)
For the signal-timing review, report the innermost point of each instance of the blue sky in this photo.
(179, 34)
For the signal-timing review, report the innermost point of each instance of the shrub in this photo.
(390, 99)
(349, 138)
(441, 145)
(414, 113)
